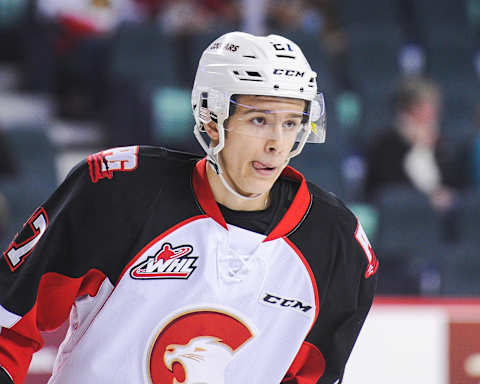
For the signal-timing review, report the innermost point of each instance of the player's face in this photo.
(259, 137)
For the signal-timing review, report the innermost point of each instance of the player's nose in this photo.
(275, 139)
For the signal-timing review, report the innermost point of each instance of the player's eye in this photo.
(259, 121)
(291, 124)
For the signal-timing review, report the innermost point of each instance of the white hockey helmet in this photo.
(239, 63)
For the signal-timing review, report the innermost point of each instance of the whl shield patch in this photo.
(168, 263)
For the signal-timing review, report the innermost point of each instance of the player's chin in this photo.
(261, 185)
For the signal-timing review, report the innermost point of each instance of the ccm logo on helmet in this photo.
(288, 72)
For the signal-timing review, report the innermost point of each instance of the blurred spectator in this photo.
(155, 9)
(186, 17)
(89, 16)
(412, 152)
(319, 18)
(151, 8)
(294, 15)
(71, 49)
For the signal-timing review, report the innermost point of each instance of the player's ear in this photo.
(212, 131)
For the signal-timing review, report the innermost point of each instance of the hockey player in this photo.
(172, 268)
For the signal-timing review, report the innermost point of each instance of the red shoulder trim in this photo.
(310, 273)
(204, 193)
(297, 210)
(294, 216)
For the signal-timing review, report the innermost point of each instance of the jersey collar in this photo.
(292, 218)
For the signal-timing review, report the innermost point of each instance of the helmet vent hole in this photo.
(286, 56)
(276, 86)
(248, 75)
(250, 56)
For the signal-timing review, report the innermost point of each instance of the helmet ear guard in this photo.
(203, 111)
(208, 107)
(210, 101)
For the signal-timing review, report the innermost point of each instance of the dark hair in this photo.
(413, 91)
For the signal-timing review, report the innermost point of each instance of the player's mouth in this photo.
(264, 169)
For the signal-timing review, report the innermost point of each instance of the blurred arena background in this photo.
(79, 76)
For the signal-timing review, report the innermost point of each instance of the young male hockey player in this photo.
(174, 269)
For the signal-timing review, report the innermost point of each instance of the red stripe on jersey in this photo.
(294, 215)
(297, 210)
(56, 295)
(310, 273)
(308, 366)
(156, 239)
(204, 193)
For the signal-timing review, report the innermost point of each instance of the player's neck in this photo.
(223, 196)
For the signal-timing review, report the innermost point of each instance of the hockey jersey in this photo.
(158, 288)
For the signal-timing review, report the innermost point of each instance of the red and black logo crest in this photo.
(195, 347)
(167, 263)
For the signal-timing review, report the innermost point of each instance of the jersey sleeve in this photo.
(40, 276)
(324, 354)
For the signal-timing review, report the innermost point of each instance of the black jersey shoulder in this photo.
(149, 171)
(152, 169)
(113, 217)
(330, 208)
(159, 161)
(152, 198)
(103, 223)
(168, 157)
(326, 236)
(148, 158)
